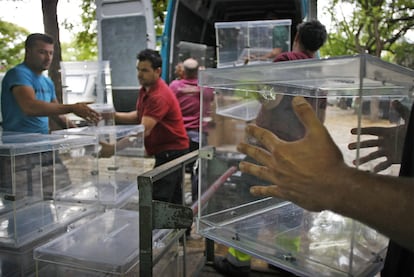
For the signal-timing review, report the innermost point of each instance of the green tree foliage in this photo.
(370, 26)
(85, 45)
(159, 9)
(12, 39)
(404, 54)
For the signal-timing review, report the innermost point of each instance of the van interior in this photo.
(189, 26)
(193, 21)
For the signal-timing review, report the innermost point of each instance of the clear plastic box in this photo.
(32, 168)
(39, 221)
(250, 42)
(345, 92)
(106, 246)
(117, 174)
(32, 165)
(16, 264)
(19, 261)
(193, 50)
(107, 113)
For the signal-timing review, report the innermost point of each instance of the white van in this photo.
(127, 27)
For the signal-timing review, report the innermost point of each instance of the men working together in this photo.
(29, 98)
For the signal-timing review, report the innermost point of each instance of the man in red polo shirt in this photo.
(157, 109)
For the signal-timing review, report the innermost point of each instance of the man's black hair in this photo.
(312, 34)
(32, 38)
(152, 56)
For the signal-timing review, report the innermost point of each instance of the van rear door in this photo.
(124, 29)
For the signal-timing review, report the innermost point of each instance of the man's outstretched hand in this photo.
(302, 171)
(388, 144)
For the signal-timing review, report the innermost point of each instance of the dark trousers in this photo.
(399, 260)
(169, 188)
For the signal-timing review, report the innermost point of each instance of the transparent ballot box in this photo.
(120, 161)
(106, 112)
(192, 50)
(347, 93)
(17, 263)
(249, 42)
(23, 227)
(33, 165)
(62, 217)
(107, 246)
(32, 169)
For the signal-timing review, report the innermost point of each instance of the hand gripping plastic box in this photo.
(107, 246)
(251, 42)
(348, 94)
(120, 160)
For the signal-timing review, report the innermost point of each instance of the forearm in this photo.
(385, 203)
(126, 117)
(64, 121)
(41, 108)
(60, 121)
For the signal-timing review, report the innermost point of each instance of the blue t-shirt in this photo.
(13, 117)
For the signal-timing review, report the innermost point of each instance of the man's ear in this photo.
(158, 71)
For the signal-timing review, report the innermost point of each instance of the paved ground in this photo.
(198, 267)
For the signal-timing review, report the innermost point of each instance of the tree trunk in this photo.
(50, 22)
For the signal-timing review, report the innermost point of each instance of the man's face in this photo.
(40, 56)
(179, 70)
(147, 76)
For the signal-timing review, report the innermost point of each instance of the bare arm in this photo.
(311, 172)
(132, 118)
(126, 117)
(148, 122)
(108, 149)
(389, 145)
(25, 97)
(62, 121)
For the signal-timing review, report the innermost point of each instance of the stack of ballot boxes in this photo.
(31, 168)
(251, 42)
(108, 245)
(305, 243)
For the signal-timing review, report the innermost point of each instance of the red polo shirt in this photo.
(161, 104)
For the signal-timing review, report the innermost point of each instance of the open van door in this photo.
(193, 22)
(124, 29)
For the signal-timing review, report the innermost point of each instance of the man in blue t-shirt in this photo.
(28, 97)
